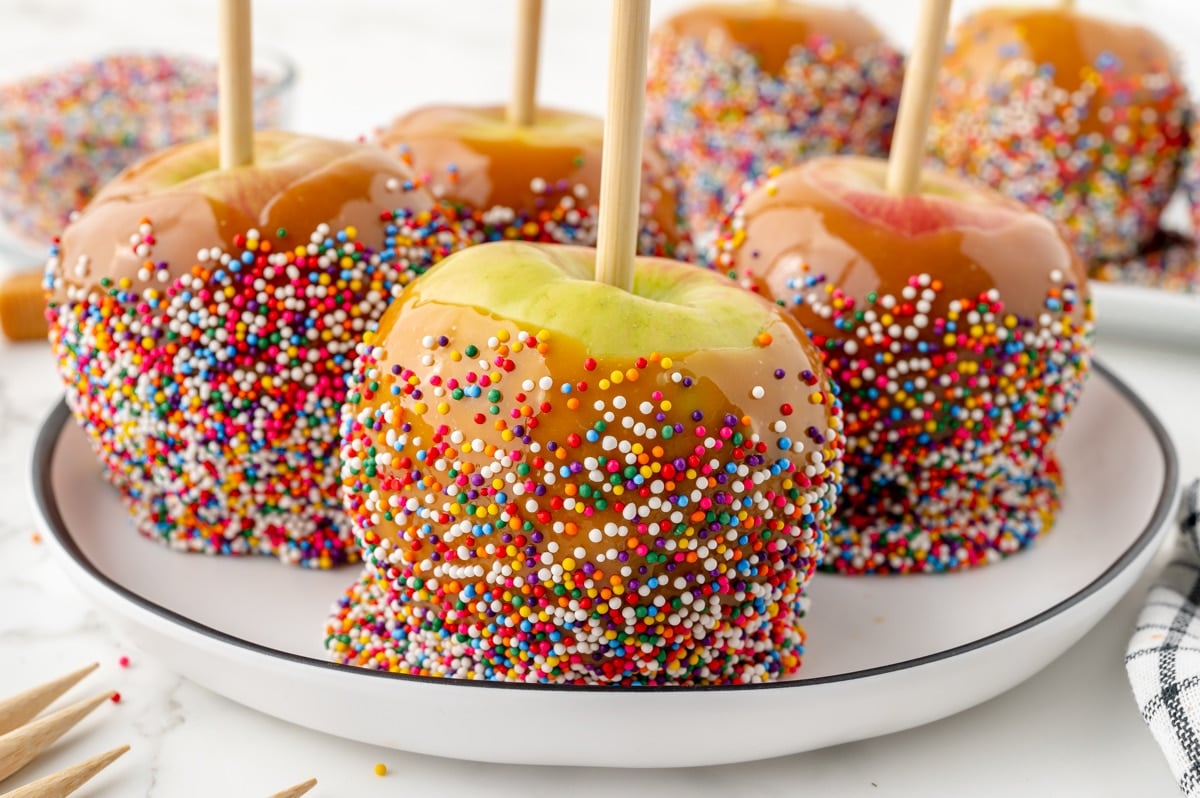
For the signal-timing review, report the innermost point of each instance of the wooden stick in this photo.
(19, 747)
(916, 98)
(292, 792)
(522, 106)
(24, 706)
(235, 120)
(65, 782)
(1067, 5)
(621, 158)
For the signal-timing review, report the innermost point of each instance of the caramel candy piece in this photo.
(23, 306)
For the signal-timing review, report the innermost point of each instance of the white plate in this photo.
(1139, 312)
(885, 654)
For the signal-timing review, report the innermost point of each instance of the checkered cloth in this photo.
(1163, 660)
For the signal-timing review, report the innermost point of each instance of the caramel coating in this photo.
(296, 184)
(735, 89)
(970, 238)
(203, 321)
(496, 469)
(473, 156)
(1070, 42)
(1080, 118)
(770, 30)
(957, 324)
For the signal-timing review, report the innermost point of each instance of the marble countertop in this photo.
(1071, 730)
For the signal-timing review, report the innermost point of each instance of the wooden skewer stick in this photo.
(621, 159)
(525, 73)
(235, 102)
(290, 792)
(23, 707)
(916, 98)
(1067, 5)
(65, 782)
(19, 747)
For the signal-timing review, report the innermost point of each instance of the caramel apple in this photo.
(1082, 119)
(735, 88)
(536, 182)
(555, 480)
(203, 320)
(958, 325)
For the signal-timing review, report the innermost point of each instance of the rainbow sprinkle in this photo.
(530, 513)
(562, 212)
(212, 395)
(1168, 263)
(1100, 158)
(63, 135)
(721, 120)
(953, 402)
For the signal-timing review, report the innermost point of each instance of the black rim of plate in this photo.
(43, 493)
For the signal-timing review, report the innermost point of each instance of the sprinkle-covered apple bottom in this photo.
(966, 518)
(555, 480)
(212, 395)
(373, 627)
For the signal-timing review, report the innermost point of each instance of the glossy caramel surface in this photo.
(1073, 44)
(971, 239)
(771, 30)
(444, 364)
(472, 155)
(296, 184)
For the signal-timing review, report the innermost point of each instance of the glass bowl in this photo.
(64, 133)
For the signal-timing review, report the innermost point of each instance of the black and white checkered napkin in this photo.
(1163, 660)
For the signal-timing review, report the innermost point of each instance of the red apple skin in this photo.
(471, 155)
(296, 183)
(958, 326)
(1082, 118)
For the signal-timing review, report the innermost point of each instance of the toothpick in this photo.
(65, 782)
(20, 746)
(525, 72)
(292, 792)
(235, 121)
(621, 159)
(1067, 5)
(23, 707)
(916, 98)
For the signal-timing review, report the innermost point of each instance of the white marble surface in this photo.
(1072, 730)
